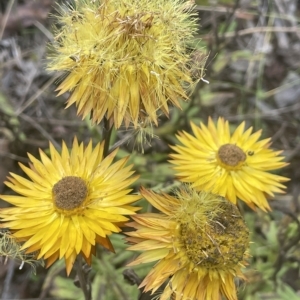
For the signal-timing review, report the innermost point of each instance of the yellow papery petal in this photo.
(233, 166)
(70, 203)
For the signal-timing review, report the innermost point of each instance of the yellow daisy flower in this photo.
(124, 57)
(200, 241)
(72, 201)
(233, 166)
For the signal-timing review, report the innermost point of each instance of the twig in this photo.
(271, 113)
(14, 157)
(6, 16)
(121, 142)
(44, 30)
(36, 95)
(8, 279)
(230, 17)
(40, 129)
(255, 30)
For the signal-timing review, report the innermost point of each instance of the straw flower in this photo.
(233, 166)
(200, 241)
(72, 201)
(124, 57)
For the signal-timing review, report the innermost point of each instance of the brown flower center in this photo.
(69, 193)
(220, 243)
(231, 156)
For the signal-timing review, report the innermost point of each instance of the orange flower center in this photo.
(231, 157)
(69, 193)
(221, 243)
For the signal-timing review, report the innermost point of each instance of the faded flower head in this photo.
(231, 165)
(200, 241)
(10, 248)
(124, 56)
(72, 201)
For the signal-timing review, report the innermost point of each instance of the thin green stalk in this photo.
(106, 135)
(83, 279)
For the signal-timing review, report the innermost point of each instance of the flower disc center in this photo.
(69, 193)
(221, 243)
(231, 156)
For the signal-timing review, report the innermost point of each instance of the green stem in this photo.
(83, 280)
(106, 135)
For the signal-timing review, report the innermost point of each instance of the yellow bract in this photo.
(231, 165)
(124, 59)
(200, 241)
(72, 201)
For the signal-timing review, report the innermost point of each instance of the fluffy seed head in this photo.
(123, 57)
(199, 241)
